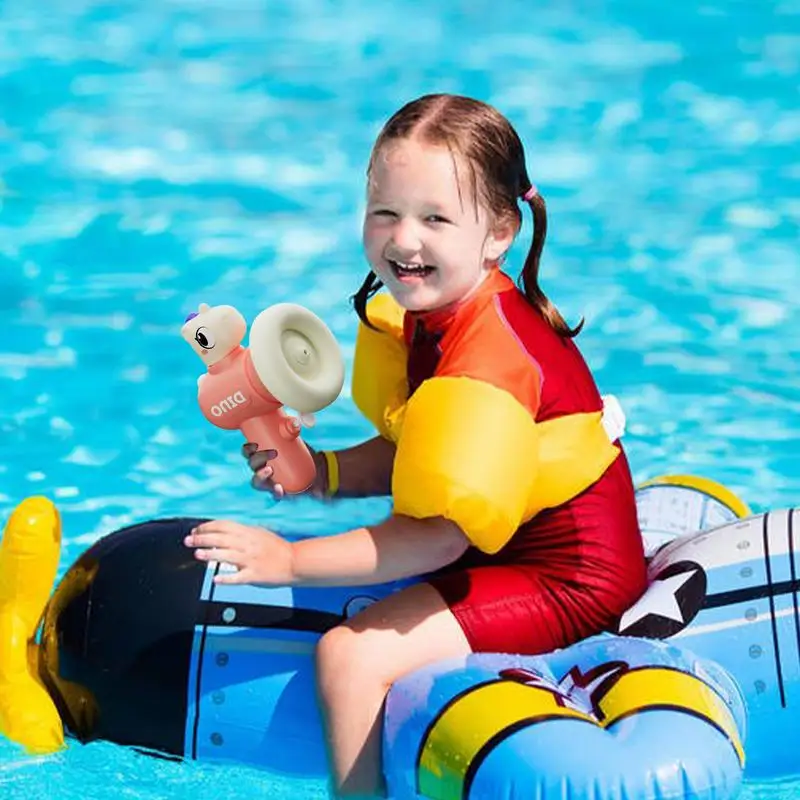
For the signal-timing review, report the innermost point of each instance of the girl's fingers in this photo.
(259, 459)
(234, 557)
(248, 448)
(262, 486)
(215, 525)
(209, 540)
(223, 526)
(242, 576)
(266, 485)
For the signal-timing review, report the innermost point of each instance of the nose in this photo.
(405, 237)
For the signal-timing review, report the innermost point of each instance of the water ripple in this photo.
(155, 155)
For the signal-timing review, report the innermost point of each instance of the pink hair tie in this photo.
(530, 194)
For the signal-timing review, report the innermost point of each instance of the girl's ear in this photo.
(499, 240)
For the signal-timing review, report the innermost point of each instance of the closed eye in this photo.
(383, 212)
(438, 219)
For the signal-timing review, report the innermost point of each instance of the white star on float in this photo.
(659, 599)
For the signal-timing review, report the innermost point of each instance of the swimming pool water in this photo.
(154, 155)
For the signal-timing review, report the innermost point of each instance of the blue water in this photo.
(160, 153)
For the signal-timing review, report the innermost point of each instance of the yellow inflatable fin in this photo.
(29, 554)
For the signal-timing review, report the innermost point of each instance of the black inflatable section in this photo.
(117, 637)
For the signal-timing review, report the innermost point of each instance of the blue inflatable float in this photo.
(139, 646)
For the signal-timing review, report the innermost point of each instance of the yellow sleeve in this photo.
(470, 452)
(574, 452)
(379, 386)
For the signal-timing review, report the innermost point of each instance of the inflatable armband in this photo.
(476, 475)
(379, 368)
(471, 453)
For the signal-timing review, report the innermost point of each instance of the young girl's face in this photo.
(423, 236)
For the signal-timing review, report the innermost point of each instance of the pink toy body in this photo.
(231, 396)
(293, 360)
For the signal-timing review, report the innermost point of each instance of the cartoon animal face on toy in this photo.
(214, 331)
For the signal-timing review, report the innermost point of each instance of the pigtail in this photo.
(529, 277)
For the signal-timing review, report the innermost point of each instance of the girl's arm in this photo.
(364, 470)
(400, 547)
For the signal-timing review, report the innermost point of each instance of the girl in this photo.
(494, 366)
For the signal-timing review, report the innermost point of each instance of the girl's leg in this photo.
(359, 660)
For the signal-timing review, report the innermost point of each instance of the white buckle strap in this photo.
(613, 419)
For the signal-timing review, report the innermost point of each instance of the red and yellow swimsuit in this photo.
(567, 571)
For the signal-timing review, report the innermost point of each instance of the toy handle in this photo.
(293, 468)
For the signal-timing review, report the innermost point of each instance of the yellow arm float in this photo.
(574, 452)
(471, 452)
(379, 367)
(29, 555)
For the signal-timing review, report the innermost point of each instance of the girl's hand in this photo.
(258, 461)
(259, 555)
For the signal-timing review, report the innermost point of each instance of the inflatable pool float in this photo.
(138, 645)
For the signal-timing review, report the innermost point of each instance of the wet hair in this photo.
(490, 147)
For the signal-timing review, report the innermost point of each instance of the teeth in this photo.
(410, 267)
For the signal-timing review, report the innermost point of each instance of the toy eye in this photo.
(205, 338)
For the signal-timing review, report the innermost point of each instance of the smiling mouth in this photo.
(404, 270)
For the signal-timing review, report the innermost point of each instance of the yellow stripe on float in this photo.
(471, 721)
(652, 688)
(705, 485)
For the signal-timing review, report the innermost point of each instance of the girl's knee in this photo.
(335, 648)
(346, 655)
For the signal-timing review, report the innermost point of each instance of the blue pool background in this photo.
(157, 154)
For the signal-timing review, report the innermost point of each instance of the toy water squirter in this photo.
(292, 360)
